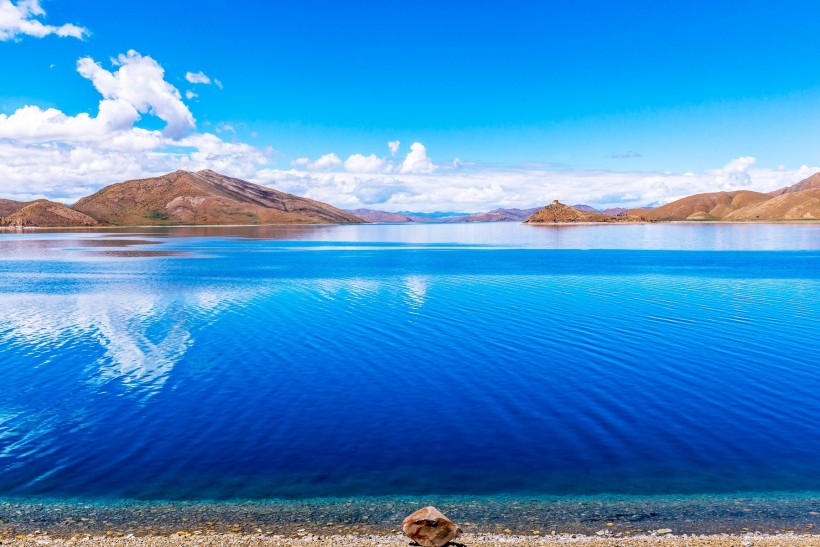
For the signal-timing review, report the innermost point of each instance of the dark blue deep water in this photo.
(305, 362)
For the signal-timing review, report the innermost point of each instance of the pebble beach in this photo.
(398, 540)
(739, 521)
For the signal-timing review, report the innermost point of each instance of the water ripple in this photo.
(276, 368)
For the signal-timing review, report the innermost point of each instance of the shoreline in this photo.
(589, 516)
(400, 540)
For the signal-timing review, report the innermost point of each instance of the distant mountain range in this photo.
(206, 197)
(496, 215)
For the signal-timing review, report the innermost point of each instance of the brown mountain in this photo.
(8, 206)
(711, 206)
(41, 213)
(799, 201)
(801, 205)
(559, 213)
(810, 183)
(204, 197)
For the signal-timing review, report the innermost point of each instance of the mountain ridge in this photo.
(800, 201)
(203, 197)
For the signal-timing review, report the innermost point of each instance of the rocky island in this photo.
(558, 213)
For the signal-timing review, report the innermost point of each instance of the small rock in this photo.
(430, 528)
(662, 531)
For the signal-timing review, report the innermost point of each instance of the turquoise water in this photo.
(439, 360)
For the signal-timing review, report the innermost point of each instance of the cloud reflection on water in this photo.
(141, 335)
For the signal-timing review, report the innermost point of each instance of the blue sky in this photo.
(603, 102)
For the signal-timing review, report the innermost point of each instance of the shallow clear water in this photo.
(304, 362)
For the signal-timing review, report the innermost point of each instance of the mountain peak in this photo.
(808, 183)
(204, 197)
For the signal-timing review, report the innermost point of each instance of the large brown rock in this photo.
(430, 528)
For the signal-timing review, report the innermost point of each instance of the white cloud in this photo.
(735, 174)
(328, 161)
(190, 95)
(358, 163)
(483, 187)
(223, 127)
(324, 163)
(417, 161)
(20, 19)
(200, 78)
(140, 81)
(394, 147)
(197, 78)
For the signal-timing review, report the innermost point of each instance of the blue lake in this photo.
(384, 360)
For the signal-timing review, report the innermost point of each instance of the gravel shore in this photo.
(397, 540)
(736, 520)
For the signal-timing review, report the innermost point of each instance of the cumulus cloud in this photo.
(47, 153)
(735, 174)
(328, 161)
(417, 161)
(324, 163)
(190, 95)
(21, 19)
(140, 82)
(394, 147)
(197, 78)
(358, 163)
